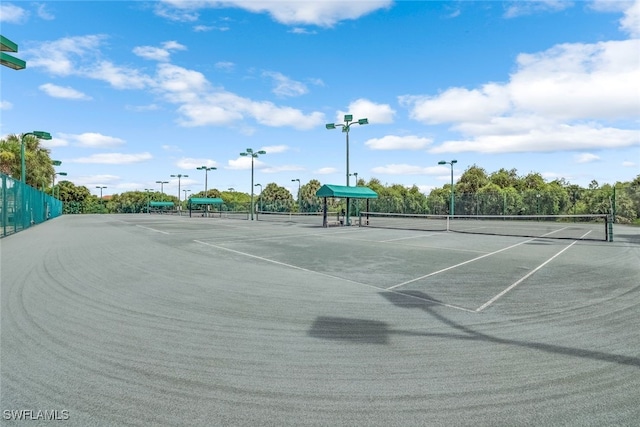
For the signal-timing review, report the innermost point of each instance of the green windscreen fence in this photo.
(22, 206)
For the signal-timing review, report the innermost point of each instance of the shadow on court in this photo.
(376, 332)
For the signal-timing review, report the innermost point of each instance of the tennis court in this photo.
(157, 319)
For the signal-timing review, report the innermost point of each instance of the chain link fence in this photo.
(22, 206)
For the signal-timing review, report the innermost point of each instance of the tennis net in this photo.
(576, 227)
(292, 217)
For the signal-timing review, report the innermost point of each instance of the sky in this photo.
(136, 91)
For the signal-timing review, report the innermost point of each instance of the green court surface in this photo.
(170, 320)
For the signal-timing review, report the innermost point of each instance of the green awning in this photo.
(346, 192)
(205, 201)
(160, 204)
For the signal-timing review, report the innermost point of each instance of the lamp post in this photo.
(452, 203)
(346, 126)
(100, 187)
(299, 200)
(54, 183)
(23, 168)
(253, 155)
(7, 60)
(260, 197)
(356, 175)
(179, 176)
(54, 163)
(206, 170)
(148, 190)
(162, 183)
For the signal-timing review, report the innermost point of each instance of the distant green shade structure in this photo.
(205, 201)
(343, 191)
(7, 60)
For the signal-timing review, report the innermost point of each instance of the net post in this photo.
(609, 228)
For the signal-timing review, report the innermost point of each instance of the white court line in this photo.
(295, 267)
(152, 229)
(458, 265)
(472, 260)
(409, 237)
(494, 299)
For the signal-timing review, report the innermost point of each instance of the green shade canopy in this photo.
(12, 62)
(7, 45)
(205, 201)
(160, 204)
(344, 192)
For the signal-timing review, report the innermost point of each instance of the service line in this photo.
(295, 267)
(152, 229)
(501, 294)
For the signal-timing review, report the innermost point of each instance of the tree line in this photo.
(476, 192)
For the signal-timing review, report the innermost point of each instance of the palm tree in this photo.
(37, 160)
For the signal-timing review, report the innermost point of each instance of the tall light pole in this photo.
(253, 155)
(356, 175)
(54, 163)
(54, 183)
(162, 183)
(206, 170)
(452, 203)
(346, 126)
(100, 187)
(185, 193)
(7, 60)
(23, 168)
(260, 197)
(299, 201)
(179, 176)
(148, 190)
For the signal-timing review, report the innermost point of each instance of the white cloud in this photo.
(458, 104)
(93, 140)
(393, 142)
(404, 169)
(553, 138)
(628, 164)
(244, 163)
(363, 108)
(299, 30)
(5, 105)
(113, 158)
(91, 181)
(54, 142)
(12, 14)
(56, 91)
(225, 65)
(283, 168)
(530, 7)
(158, 53)
(190, 163)
(579, 81)
(284, 86)
(272, 149)
(319, 13)
(586, 158)
(174, 148)
(142, 108)
(43, 13)
(66, 56)
(631, 21)
(152, 52)
(199, 104)
(325, 171)
(564, 98)
(118, 77)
